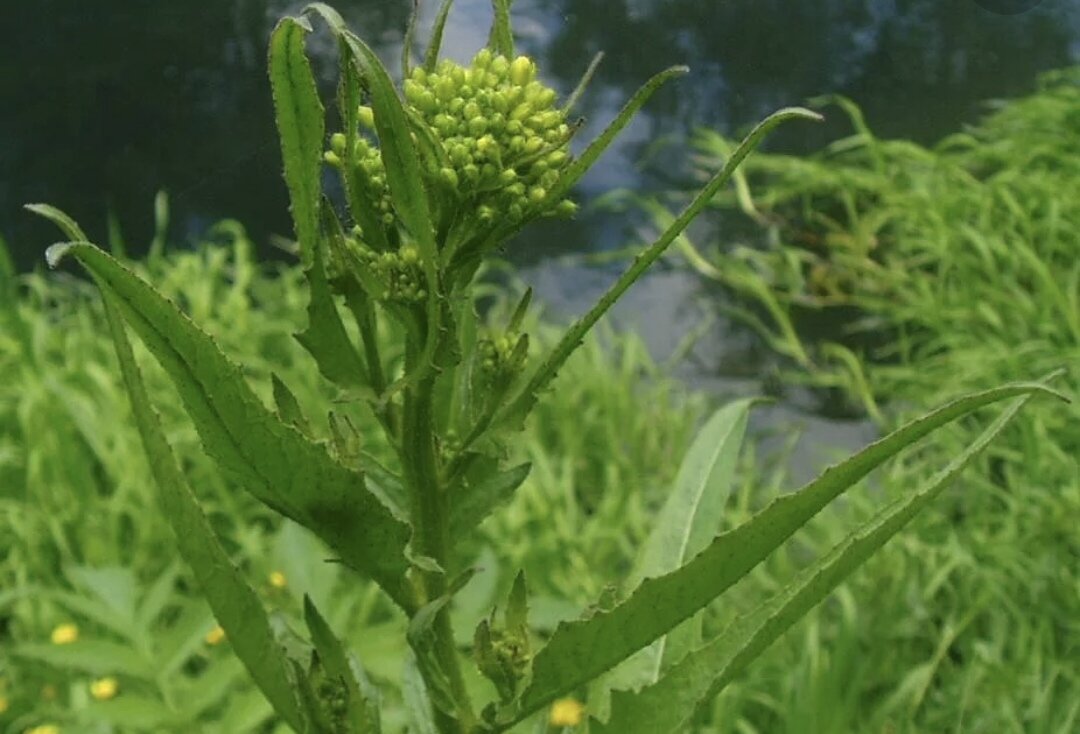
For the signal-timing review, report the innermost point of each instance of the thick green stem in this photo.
(431, 531)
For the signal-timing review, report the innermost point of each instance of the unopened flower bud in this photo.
(522, 70)
(366, 116)
(337, 144)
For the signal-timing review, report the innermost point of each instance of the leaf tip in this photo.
(55, 253)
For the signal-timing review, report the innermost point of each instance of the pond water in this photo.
(106, 103)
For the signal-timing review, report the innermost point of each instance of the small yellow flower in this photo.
(215, 636)
(277, 580)
(566, 712)
(44, 729)
(104, 688)
(64, 634)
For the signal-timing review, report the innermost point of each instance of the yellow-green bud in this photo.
(537, 194)
(332, 158)
(410, 255)
(367, 116)
(482, 58)
(566, 208)
(478, 126)
(499, 65)
(449, 176)
(337, 143)
(522, 70)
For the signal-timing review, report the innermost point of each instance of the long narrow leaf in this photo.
(688, 522)
(579, 651)
(522, 404)
(431, 57)
(272, 460)
(325, 336)
(235, 604)
(501, 38)
(299, 114)
(362, 713)
(668, 705)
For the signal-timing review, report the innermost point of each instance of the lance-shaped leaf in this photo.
(270, 459)
(688, 522)
(362, 713)
(325, 337)
(474, 503)
(301, 128)
(235, 603)
(579, 651)
(668, 705)
(431, 56)
(524, 401)
(501, 37)
(404, 174)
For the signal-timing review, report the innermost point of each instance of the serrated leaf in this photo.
(301, 127)
(363, 715)
(473, 503)
(521, 405)
(668, 705)
(273, 461)
(579, 651)
(235, 603)
(687, 523)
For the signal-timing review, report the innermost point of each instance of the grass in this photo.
(948, 268)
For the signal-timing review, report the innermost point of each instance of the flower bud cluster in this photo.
(501, 357)
(399, 274)
(505, 140)
(368, 164)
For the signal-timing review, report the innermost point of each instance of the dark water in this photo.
(104, 103)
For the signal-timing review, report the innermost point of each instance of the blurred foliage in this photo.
(947, 269)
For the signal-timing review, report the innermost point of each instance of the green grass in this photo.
(950, 268)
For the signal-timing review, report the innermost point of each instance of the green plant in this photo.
(462, 163)
(947, 267)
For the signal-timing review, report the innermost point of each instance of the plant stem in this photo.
(431, 532)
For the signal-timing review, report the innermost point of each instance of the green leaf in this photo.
(300, 121)
(66, 224)
(235, 604)
(273, 461)
(97, 657)
(325, 336)
(399, 156)
(288, 407)
(501, 38)
(417, 702)
(668, 705)
(579, 651)
(363, 714)
(524, 401)
(431, 57)
(688, 522)
(135, 711)
(474, 503)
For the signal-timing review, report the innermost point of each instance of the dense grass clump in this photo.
(951, 268)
